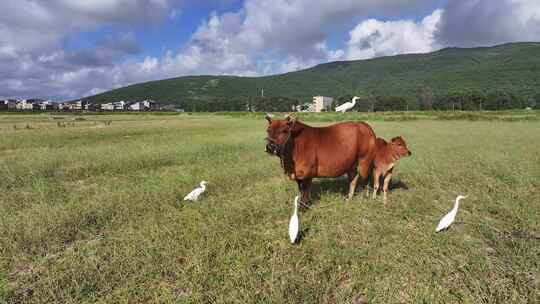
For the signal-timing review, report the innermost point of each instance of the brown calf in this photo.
(386, 156)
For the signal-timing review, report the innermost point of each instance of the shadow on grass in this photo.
(303, 233)
(340, 185)
(398, 184)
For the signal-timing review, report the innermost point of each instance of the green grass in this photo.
(93, 213)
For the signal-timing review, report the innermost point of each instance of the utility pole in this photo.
(262, 92)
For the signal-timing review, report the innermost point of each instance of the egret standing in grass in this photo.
(294, 223)
(194, 195)
(448, 219)
(347, 106)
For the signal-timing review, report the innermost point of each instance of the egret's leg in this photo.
(304, 186)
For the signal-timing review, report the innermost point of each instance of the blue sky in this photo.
(168, 34)
(63, 49)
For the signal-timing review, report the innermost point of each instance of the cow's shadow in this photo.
(340, 185)
(397, 184)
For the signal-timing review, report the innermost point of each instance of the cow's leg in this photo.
(376, 177)
(350, 177)
(352, 185)
(351, 174)
(363, 169)
(304, 185)
(387, 179)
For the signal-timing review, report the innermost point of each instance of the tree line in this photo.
(426, 100)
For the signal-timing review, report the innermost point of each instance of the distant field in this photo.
(91, 212)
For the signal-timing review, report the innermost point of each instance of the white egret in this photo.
(448, 219)
(194, 195)
(294, 223)
(347, 106)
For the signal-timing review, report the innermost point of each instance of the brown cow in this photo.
(309, 152)
(387, 155)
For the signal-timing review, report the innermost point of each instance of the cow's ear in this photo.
(268, 117)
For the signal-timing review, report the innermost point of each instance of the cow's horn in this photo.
(289, 116)
(269, 116)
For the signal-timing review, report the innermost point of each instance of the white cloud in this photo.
(32, 34)
(263, 37)
(469, 23)
(373, 38)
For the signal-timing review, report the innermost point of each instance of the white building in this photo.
(107, 107)
(145, 105)
(322, 104)
(136, 106)
(44, 105)
(119, 105)
(24, 104)
(78, 105)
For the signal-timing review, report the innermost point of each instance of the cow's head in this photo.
(400, 147)
(278, 132)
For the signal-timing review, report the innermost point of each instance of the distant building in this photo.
(78, 105)
(135, 106)
(107, 107)
(138, 106)
(59, 106)
(322, 104)
(119, 105)
(25, 104)
(44, 105)
(151, 104)
(92, 107)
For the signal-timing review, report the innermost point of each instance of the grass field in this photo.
(92, 212)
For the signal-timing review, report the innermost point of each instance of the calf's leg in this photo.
(387, 179)
(376, 177)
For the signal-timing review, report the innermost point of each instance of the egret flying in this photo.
(294, 223)
(194, 195)
(347, 106)
(448, 219)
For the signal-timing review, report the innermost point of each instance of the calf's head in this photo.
(278, 132)
(399, 147)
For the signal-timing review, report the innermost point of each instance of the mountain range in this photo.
(513, 67)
